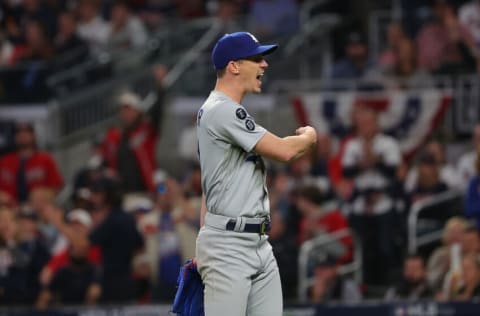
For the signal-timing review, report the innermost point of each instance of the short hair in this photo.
(221, 72)
(453, 222)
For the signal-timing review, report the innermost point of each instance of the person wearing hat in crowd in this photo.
(234, 257)
(115, 233)
(72, 276)
(80, 221)
(28, 168)
(129, 148)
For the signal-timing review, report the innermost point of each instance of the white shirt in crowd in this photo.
(469, 16)
(95, 32)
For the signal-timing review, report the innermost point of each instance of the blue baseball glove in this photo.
(189, 297)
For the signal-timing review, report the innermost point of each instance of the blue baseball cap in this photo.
(235, 46)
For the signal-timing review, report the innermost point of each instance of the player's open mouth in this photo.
(259, 77)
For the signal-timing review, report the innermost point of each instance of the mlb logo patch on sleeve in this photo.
(240, 113)
(250, 124)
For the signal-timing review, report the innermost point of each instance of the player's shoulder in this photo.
(221, 108)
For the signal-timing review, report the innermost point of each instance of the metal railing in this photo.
(172, 40)
(414, 240)
(309, 246)
(87, 113)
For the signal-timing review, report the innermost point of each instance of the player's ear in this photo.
(233, 67)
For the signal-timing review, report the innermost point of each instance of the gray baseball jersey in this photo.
(233, 177)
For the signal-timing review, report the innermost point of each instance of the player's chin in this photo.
(257, 89)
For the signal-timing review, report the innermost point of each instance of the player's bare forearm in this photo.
(288, 148)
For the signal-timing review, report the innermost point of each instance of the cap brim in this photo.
(264, 50)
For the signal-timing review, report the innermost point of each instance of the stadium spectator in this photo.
(328, 285)
(413, 286)
(92, 27)
(470, 288)
(74, 284)
(322, 216)
(22, 257)
(126, 30)
(38, 46)
(81, 221)
(371, 159)
(129, 148)
(428, 179)
(469, 17)
(69, 47)
(444, 45)
(28, 167)
(395, 35)
(403, 72)
(439, 261)
(466, 167)
(75, 274)
(115, 234)
(169, 238)
(356, 63)
(38, 10)
(448, 173)
(273, 18)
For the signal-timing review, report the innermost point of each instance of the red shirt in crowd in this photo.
(329, 221)
(142, 140)
(40, 171)
(60, 260)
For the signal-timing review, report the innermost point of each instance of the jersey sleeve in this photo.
(234, 125)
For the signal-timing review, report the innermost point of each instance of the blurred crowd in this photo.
(43, 40)
(129, 225)
(432, 38)
(44, 30)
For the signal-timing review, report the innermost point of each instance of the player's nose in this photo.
(264, 64)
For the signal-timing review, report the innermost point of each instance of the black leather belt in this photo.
(261, 228)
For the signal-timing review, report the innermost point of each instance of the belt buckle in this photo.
(264, 226)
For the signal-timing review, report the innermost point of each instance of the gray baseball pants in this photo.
(239, 271)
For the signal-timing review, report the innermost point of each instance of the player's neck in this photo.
(230, 89)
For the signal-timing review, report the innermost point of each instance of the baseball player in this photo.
(234, 258)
